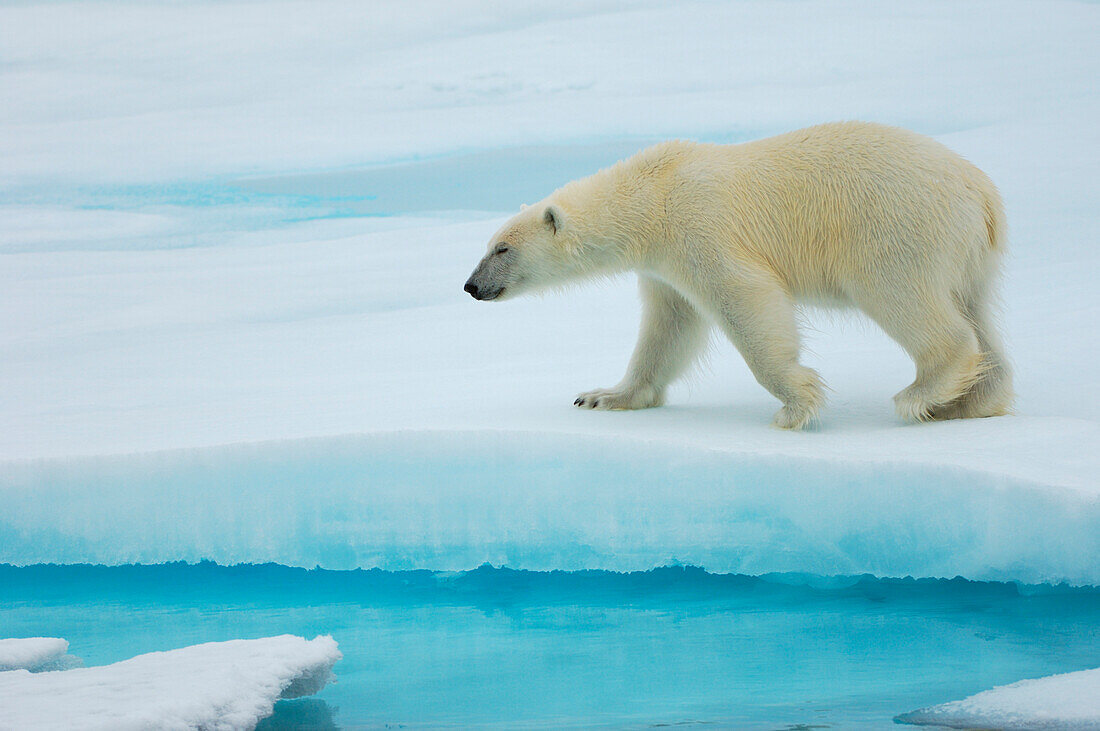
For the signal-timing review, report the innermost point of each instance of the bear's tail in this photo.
(995, 223)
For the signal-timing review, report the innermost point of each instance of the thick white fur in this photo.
(851, 214)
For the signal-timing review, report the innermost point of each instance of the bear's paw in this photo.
(615, 399)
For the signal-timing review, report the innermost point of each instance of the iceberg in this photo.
(218, 685)
(1066, 702)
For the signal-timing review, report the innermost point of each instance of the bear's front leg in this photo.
(758, 316)
(671, 337)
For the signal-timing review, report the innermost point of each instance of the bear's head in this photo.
(536, 248)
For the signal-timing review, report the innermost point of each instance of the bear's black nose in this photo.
(472, 289)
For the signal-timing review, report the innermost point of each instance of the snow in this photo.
(1069, 702)
(217, 685)
(234, 238)
(34, 654)
(109, 91)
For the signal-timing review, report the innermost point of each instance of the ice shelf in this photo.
(453, 500)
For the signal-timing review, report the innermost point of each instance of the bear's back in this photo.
(826, 202)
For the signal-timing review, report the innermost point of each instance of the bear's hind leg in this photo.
(672, 335)
(758, 316)
(992, 394)
(944, 346)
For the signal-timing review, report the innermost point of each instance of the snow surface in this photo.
(1068, 702)
(219, 686)
(34, 654)
(238, 222)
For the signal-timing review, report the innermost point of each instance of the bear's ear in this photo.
(523, 206)
(554, 218)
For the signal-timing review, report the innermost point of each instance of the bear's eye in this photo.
(501, 248)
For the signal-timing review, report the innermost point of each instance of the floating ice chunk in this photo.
(217, 685)
(35, 654)
(1068, 701)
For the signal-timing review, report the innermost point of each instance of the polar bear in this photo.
(847, 214)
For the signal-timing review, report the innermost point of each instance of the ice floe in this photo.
(1066, 702)
(35, 654)
(221, 686)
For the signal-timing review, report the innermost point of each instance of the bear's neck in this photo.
(622, 221)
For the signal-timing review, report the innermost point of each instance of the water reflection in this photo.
(497, 648)
(301, 714)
